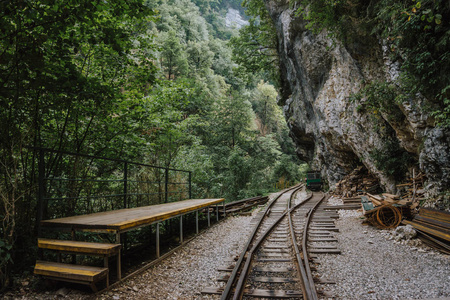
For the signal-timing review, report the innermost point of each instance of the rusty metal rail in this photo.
(308, 280)
(238, 275)
(238, 279)
(245, 204)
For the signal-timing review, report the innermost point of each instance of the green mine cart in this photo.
(313, 180)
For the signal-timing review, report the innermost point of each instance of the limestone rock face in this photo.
(331, 130)
(234, 19)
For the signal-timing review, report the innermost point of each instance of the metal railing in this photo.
(73, 184)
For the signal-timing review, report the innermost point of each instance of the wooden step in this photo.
(78, 247)
(71, 273)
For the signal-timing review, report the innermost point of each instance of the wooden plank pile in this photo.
(387, 210)
(433, 228)
(413, 188)
(358, 182)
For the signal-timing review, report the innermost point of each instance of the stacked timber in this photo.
(433, 228)
(358, 182)
(413, 188)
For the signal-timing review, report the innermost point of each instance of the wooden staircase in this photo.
(77, 273)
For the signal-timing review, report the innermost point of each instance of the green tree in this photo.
(66, 70)
(173, 58)
(255, 49)
(264, 104)
(200, 57)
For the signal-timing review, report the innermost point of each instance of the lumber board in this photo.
(276, 246)
(79, 247)
(319, 228)
(278, 254)
(212, 290)
(324, 251)
(257, 293)
(324, 247)
(438, 215)
(427, 229)
(282, 294)
(67, 271)
(344, 206)
(124, 219)
(432, 242)
(274, 279)
(226, 268)
(272, 269)
(427, 220)
(274, 250)
(392, 196)
(274, 260)
(322, 240)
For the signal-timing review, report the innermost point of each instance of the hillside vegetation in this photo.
(153, 83)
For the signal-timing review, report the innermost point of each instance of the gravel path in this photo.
(188, 271)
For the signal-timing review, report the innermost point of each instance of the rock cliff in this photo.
(335, 132)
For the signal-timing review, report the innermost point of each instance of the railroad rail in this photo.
(244, 205)
(275, 262)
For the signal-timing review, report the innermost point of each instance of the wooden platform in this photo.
(117, 221)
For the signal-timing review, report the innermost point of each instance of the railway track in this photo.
(244, 205)
(276, 261)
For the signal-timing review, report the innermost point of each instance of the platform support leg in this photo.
(119, 258)
(217, 212)
(157, 240)
(181, 229)
(74, 238)
(224, 212)
(196, 221)
(105, 263)
(209, 219)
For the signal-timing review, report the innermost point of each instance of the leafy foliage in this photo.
(255, 49)
(392, 159)
(381, 98)
(116, 80)
(417, 32)
(70, 72)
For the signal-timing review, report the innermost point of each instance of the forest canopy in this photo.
(151, 82)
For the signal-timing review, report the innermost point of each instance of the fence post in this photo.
(190, 185)
(166, 186)
(125, 184)
(41, 192)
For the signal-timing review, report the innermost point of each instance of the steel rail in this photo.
(239, 291)
(299, 261)
(310, 279)
(228, 288)
(306, 281)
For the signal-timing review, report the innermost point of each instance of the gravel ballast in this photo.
(372, 265)
(187, 272)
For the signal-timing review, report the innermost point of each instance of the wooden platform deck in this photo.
(122, 220)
